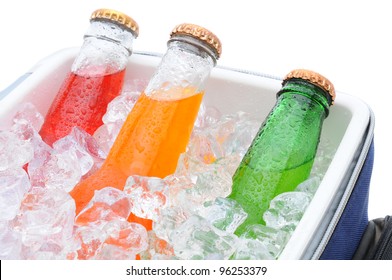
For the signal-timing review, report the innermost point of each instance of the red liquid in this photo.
(81, 101)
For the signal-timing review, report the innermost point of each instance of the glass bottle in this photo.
(96, 76)
(158, 128)
(282, 153)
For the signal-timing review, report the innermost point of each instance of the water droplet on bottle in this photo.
(139, 147)
(70, 111)
(92, 102)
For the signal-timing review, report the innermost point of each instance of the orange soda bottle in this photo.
(158, 128)
(96, 77)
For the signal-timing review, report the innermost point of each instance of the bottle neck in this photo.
(105, 49)
(313, 93)
(184, 65)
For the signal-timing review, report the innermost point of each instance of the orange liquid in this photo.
(150, 142)
(82, 102)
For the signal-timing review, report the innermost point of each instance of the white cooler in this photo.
(349, 127)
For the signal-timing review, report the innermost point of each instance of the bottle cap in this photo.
(314, 78)
(117, 17)
(200, 33)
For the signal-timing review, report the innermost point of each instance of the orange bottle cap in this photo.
(117, 17)
(200, 33)
(314, 78)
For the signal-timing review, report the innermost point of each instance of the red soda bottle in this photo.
(96, 77)
(158, 128)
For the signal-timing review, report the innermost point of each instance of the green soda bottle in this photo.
(282, 153)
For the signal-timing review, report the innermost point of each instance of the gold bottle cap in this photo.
(117, 17)
(200, 33)
(314, 78)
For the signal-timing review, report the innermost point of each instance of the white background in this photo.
(346, 41)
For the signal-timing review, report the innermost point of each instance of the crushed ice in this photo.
(192, 218)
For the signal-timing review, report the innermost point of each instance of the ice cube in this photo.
(107, 204)
(201, 116)
(175, 184)
(170, 219)
(110, 239)
(131, 237)
(286, 210)
(89, 240)
(62, 171)
(102, 229)
(147, 195)
(157, 248)
(106, 134)
(223, 213)
(232, 134)
(14, 151)
(221, 130)
(204, 148)
(207, 116)
(252, 249)
(25, 132)
(272, 239)
(54, 168)
(63, 166)
(28, 113)
(229, 163)
(119, 108)
(309, 186)
(42, 154)
(111, 252)
(95, 213)
(188, 164)
(45, 221)
(10, 242)
(196, 238)
(239, 140)
(47, 251)
(324, 156)
(105, 215)
(14, 184)
(213, 183)
(83, 147)
(134, 86)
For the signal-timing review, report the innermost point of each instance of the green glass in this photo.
(282, 153)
